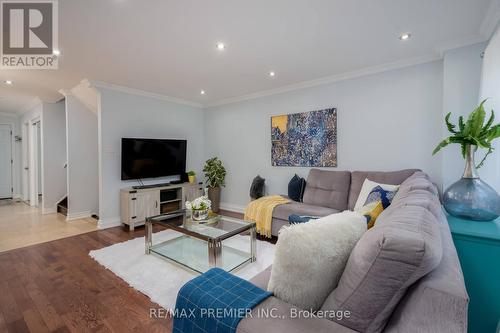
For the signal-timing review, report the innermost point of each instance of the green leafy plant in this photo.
(215, 173)
(191, 173)
(473, 132)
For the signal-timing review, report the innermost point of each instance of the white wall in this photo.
(490, 88)
(13, 121)
(129, 115)
(461, 81)
(53, 155)
(82, 154)
(386, 121)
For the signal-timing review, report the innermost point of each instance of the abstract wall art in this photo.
(306, 139)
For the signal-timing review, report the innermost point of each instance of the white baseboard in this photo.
(80, 215)
(109, 222)
(17, 196)
(232, 207)
(50, 210)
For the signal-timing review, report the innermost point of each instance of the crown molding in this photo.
(64, 92)
(138, 92)
(58, 100)
(85, 85)
(491, 20)
(330, 79)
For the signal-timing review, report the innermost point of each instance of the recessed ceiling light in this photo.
(56, 52)
(202, 92)
(9, 82)
(272, 73)
(220, 46)
(404, 36)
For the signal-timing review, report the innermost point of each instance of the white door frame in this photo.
(33, 161)
(25, 176)
(11, 126)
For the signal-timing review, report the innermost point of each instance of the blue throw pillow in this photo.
(296, 219)
(378, 200)
(379, 194)
(296, 188)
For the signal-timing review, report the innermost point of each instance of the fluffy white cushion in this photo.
(367, 187)
(310, 258)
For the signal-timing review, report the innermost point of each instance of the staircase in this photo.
(62, 207)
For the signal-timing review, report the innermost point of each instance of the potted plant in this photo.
(191, 176)
(470, 197)
(199, 208)
(215, 175)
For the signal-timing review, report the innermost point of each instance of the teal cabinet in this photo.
(478, 247)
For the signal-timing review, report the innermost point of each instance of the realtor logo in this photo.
(29, 34)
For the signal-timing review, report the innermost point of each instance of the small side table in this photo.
(478, 247)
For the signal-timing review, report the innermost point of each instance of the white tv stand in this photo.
(137, 204)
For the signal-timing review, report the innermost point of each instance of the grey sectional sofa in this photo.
(329, 192)
(402, 276)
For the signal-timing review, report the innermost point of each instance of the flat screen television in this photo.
(152, 158)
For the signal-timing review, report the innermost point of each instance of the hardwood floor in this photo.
(57, 287)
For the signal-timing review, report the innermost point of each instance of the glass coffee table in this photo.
(205, 244)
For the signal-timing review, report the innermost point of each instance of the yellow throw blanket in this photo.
(260, 211)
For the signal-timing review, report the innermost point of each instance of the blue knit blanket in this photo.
(215, 301)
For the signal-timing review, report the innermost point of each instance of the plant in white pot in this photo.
(215, 175)
(199, 208)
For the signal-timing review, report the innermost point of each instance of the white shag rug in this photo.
(161, 279)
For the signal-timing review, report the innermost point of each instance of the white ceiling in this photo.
(168, 46)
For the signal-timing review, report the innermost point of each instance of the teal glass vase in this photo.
(470, 197)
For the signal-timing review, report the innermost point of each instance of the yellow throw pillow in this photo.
(377, 200)
(371, 212)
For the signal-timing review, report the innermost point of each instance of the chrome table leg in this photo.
(214, 253)
(253, 244)
(149, 236)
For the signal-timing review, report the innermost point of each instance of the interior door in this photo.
(5, 162)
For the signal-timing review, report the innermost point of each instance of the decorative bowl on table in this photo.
(199, 214)
(199, 208)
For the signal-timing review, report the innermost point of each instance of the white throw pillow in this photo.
(367, 187)
(310, 258)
